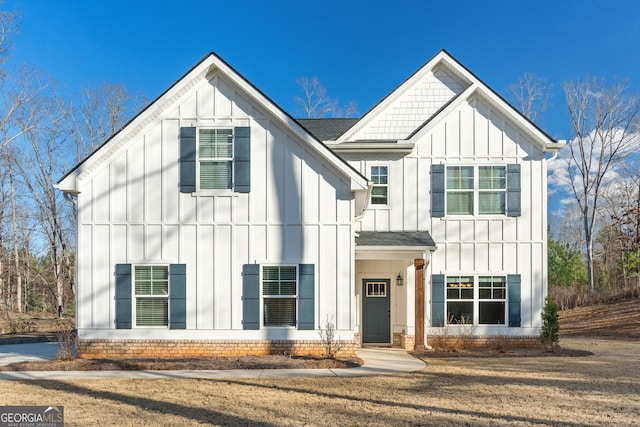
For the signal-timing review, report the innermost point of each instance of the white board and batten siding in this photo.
(472, 134)
(299, 210)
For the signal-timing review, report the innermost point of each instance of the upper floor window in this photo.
(380, 190)
(474, 190)
(215, 158)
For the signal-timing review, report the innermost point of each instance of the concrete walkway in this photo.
(377, 361)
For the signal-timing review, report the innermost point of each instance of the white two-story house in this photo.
(215, 223)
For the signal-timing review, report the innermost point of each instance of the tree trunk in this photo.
(16, 249)
(589, 242)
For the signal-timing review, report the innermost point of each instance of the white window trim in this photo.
(217, 191)
(262, 296)
(476, 300)
(134, 297)
(387, 185)
(476, 192)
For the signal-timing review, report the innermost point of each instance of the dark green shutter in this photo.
(437, 300)
(123, 296)
(251, 296)
(306, 293)
(187, 159)
(177, 296)
(437, 191)
(513, 284)
(242, 160)
(513, 190)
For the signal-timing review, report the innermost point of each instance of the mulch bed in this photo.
(196, 363)
(513, 352)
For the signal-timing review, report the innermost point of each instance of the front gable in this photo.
(210, 94)
(437, 90)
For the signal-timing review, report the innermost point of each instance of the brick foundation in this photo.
(113, 349)
(404, 341)
(461, 341)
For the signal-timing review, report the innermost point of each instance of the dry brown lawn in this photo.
(603, 389)
(600, 389)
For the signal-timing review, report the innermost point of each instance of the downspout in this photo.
(556, 149)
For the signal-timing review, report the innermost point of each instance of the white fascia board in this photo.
(395, 147)
(395, 94)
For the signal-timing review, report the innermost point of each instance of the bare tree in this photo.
(103, 110)
(531, 95)
(7, 28)
(605, 123)
(316, 103)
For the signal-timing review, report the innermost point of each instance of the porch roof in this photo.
(416, 239)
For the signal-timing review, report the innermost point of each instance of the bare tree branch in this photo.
(316, 103)
(531, 95)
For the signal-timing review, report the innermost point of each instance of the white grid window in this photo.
(380, 190)
(476, 300)
(477, 190)
(279, 286)
(152, 295)
(215, 158)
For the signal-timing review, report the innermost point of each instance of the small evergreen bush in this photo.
(550, 325)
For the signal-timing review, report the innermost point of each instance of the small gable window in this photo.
(380, 190)
(215, 158)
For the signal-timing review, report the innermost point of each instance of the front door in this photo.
(376, 314)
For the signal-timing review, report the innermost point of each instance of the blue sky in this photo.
(359, 50)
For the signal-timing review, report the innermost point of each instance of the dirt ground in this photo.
(598, 389)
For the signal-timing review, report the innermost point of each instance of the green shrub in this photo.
(550, 325)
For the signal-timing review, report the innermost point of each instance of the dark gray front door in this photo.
(376, 316)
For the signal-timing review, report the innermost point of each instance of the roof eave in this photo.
(395, 147)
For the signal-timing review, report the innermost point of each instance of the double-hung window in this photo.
(460, 190)
(279, 294)
(151, 295)
(492, 190)
(215, 158)
(460, 297)
(380, 190)
(476, 190)
(492, 299)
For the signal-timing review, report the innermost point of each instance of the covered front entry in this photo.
(390, 269)
(376, 311)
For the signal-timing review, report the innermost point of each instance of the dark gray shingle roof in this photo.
(395, 238)
(327, 129)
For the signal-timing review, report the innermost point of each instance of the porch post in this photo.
(419, 304)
